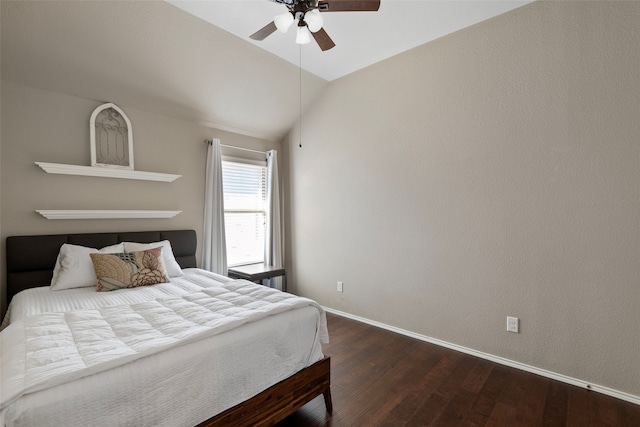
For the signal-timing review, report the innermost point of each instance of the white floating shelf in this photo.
(106, 172)
(105, 214)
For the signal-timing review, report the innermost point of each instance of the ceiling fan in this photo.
(307, 14)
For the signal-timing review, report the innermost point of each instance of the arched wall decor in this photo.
(111, 157)
(111, 138)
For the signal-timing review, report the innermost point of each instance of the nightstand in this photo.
(258, 272)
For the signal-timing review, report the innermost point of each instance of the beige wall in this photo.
(39, 125)
(493, 172)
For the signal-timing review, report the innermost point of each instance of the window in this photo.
(245, 210)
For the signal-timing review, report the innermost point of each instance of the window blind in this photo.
(245, 205)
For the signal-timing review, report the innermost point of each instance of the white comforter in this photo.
(54, 350)
(43, 300)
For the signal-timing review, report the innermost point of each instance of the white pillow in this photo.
(170, 263)
(74, 268)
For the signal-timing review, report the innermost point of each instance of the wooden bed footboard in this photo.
(281, 400)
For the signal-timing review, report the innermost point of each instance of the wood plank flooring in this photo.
(380, 378)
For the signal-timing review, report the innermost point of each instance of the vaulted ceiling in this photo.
(362, 38)
(160, 58)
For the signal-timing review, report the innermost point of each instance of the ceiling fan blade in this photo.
(262, 33)
(323, 39)
(348, 5)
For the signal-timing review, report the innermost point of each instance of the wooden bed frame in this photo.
(30, 263)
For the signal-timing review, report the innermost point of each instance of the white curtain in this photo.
(274, 241)
(214, 246)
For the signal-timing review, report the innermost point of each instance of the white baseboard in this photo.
(497, 359)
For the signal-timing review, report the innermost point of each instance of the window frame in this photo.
(253, 162)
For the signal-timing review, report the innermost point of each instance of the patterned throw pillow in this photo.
(129, 270)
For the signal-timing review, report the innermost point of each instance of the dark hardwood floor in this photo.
(380, 378)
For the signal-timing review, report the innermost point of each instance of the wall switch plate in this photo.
(512, 324)
(339, 288)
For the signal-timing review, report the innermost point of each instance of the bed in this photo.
(248, 367)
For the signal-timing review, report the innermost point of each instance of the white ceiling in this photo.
(362, 38)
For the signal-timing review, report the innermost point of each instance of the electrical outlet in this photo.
(339, 288)
(512, 324)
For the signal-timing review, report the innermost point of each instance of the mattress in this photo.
(181, 385)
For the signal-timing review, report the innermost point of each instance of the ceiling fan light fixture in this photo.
(314, 20)
(283, 22)
(302, 36)
(307, 14)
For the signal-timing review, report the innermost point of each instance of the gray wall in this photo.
(39, 125)
(493, 172)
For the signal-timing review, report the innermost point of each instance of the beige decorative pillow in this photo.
(170, 263)
(129, 270)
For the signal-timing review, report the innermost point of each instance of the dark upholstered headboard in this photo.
(31, 259)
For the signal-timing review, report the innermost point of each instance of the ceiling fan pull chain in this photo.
(300, 86)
